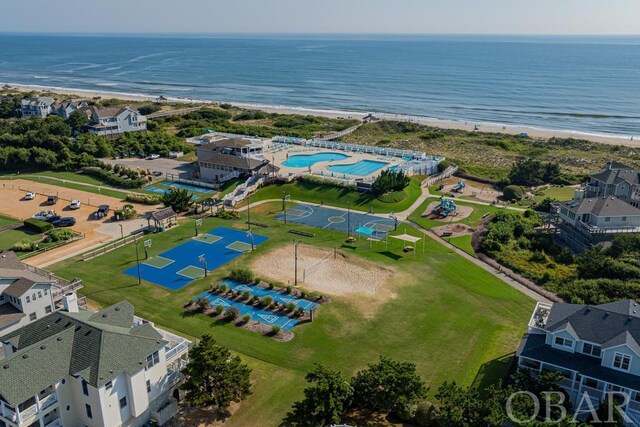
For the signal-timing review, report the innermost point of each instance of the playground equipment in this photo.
(445, 208)
(459, 188)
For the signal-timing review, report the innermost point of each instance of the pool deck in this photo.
(281, 156)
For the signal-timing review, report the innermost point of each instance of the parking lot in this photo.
(166, 166)
(12, 203)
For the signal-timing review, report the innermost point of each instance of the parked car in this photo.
(53, 218)
(66, 221)
(43, 215)
(156, 173)
(153, 156)
(75, 204)
(30, 196)
(103, 210)
(52, 200)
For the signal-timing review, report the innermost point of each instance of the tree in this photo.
(324, 402)
(179, 199)
(459, 406)
(389, 180)
(10, 107)
(513, 193)
(386, 385)
(77, 121)
(531, 172)
(214, 376)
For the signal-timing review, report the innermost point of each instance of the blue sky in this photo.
(323, 16)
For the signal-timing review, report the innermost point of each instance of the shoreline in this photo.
(469, 126)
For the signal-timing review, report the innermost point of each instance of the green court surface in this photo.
(207, 238)
(192, 272)
(158, 262)
(240, 246)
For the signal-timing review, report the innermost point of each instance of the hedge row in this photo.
(37, 225)
(146, 199)
(113, 179)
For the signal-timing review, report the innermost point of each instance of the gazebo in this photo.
(162, 218)
(161, 99)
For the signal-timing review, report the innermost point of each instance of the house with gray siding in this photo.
(40, 106)
(111, 122)
(596, 348)
(617, 180)
(65, 108)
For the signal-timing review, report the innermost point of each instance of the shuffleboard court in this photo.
(207, 238)
(181, 265)
(158, 262)
(339, 220)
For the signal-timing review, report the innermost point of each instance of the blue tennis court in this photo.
(180, 266)
(338, 220)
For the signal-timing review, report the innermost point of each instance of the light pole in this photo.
(249, 212)
(121, 231)
(284, 206)
(138, 261)
(348, 219)
(295, 263)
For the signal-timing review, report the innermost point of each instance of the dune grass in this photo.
(450, 317)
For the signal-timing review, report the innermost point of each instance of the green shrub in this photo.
(114, 179)
(24, 245)
(246, 295)
(513, 193)
(145, 199)
(288, 289)
(58, 234)
(225, 214)
(318, 180)
(203, 303)
(275, 329)
(232, 313)
(426, 415)
(37, 225)
(266, 301)
(241, 274)
(246, 319)
(290, 306)
(219, 309)
(223, 288)
(390, 181)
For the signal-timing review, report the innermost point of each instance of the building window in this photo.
(28, 299)
(148, 386)
(39, 294)
(590, 383)
(47, 309)
(85, 388)
(46, 292)
(88, 409)
(563, 342)
(624, 219)
(591, 349)
(621, 361)
(108, 385)
(33, 316)
(153, 360)
(607, 219)
(123, 402)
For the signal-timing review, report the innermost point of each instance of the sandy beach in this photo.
(446, 124)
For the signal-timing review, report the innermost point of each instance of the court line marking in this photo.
(160, 268)
(239, 250)
(190, 277)
(203, 239)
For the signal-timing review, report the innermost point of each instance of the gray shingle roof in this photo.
(9, 314)
(602, 206)
(607, 325)
(19, 287)
(234, 161)
(97, 347)
(616, 172)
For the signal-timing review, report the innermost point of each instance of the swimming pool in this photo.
(362, 168)
(188, 187)
(161, 191)
(306, 160)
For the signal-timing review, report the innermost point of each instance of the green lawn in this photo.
(423, 323)
(463, 243)
(559, 193)
(472, 220)
(9, 237)
(5, 220)
(336, 196)
(44, 178)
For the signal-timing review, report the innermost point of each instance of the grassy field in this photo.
(472, 220)
(336, 196)
(422, 323)
(9, 237)
(559, 193)
(46, 178)
(462, 242)
(5, 220)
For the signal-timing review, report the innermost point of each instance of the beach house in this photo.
(616, 180)
(65, 108)
(584, 222)
(78, 368)
(114, 121)
(40, 106)
(596, 348)
(226, 158)
(28, 294)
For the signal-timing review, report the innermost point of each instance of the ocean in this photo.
(579, 84)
